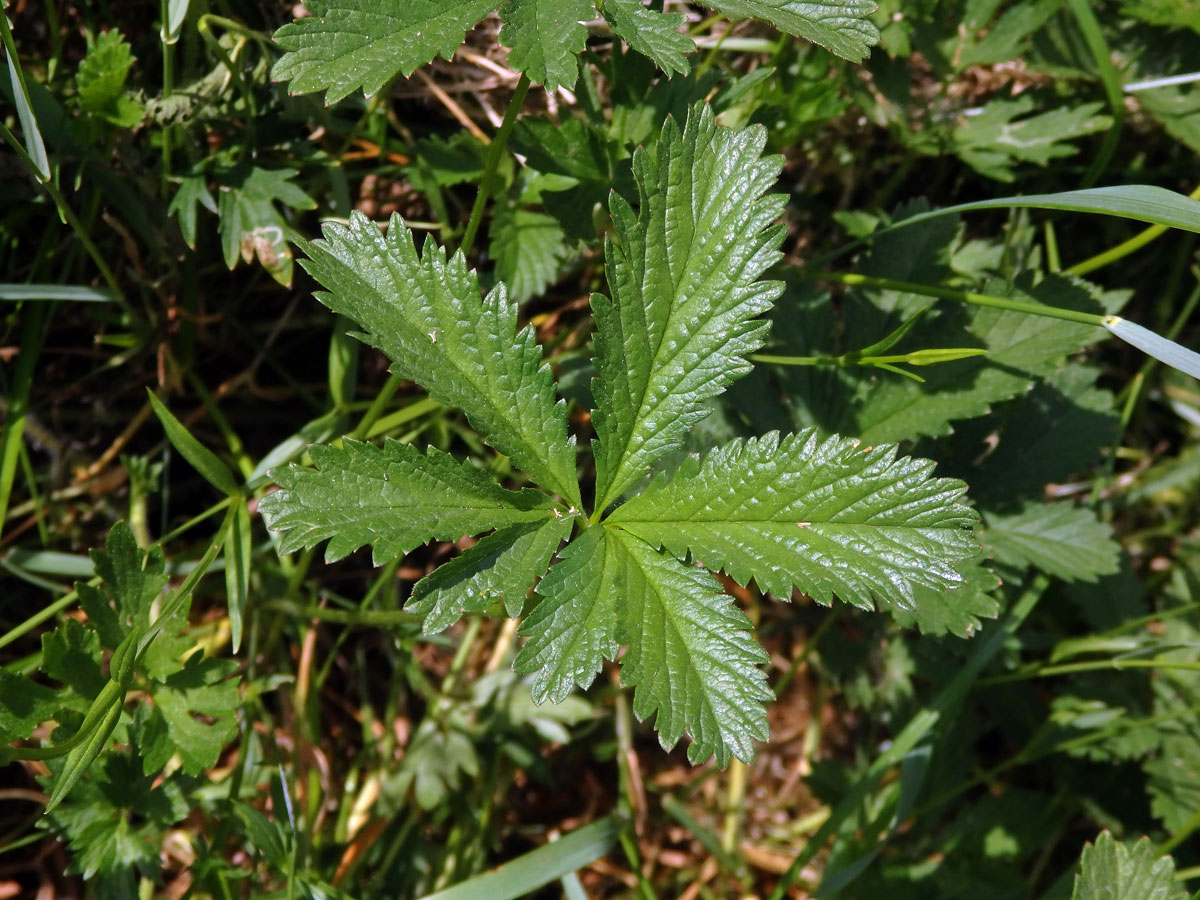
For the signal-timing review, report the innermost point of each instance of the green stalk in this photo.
(926, 290)
(33, 332)
(495, 154)
(1090, 28)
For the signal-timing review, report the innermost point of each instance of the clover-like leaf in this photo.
(427, 315)
(827, 516)
(683, 275)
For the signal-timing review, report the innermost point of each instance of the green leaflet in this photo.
(683, 276)
(544, 36)
(501, 567)
(1060, 539)
(393, 497)
(653, 34)
(426, 314)
(843, 27)
(825, 516)
(1113, 871)
(345, 45)
(573, 628)
(691, 657)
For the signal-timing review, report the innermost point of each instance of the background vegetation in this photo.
(300, 736)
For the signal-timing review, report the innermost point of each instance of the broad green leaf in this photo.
(998, 137)
(251, 224)
(71, 655)
(393, 497)
(692, 657)
(500, 568)
(544, 36)
(345, 45)
(202, 688)
(427, 316)
(573, 627)
(1060, 539)
(827, 516)
(1173, 775)
(202, 459)
(651, 33)
(24, 705)
(1181, 13)
(101, 80)
(843, 27)
(132, 581)
(1109, 870)
(683, 274)
(529, 248)
(1004, 38)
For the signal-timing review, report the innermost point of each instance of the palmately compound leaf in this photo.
(500, 568)
(1113, 871)
(345, 45)
(393, 497)
(1060, 539)
(843, 27)
(544, 36)
(683, 275)
(251, 223)
(690, 656)
(653, 34)
(426, 314)
(825, 516)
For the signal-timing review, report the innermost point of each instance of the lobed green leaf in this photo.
(544, 36)
(843, 27)
(651, 33)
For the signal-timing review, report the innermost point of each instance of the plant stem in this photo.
(495, 154)
(942, 293)
(1102, 55)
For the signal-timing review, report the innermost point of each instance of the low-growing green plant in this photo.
(717, 420)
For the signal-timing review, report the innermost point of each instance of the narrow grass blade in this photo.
(16, 292)
(1163, 349)
(32, 135)
(542, 866)
(237, 570)
(33, 332)
(202, 459)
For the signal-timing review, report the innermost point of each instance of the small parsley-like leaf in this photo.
(691, 656)
(826, 516)
(393, 497)
(843, 27)
(544, 36)
(202, 687)
(1113, 871)
(653, 34)
(251, 224)
(682, 272)
(345, 45)
(426, 314)
(501, 567)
